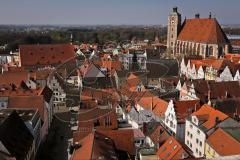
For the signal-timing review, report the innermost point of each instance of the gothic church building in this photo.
(197, 36)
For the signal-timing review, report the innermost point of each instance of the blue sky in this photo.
(113, 11)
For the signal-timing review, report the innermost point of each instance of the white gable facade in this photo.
(226, 75)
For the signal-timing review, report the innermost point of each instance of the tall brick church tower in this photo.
(174, 27)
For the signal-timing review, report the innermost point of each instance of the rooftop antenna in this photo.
(210, 14)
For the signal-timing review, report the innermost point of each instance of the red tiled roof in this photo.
(123, 139)
(95, 146)
(184, 108)
(85, 151)
(202, 30)
(100, 95)
(152, 102)
(46, 54)
(159, 135)
(223, 143)
(109, 64)
(36, 102)
(209, 115)
(171, 149)
(218, 64)
(15, 78)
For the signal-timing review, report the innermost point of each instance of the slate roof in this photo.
(230, 106)
(18, 139)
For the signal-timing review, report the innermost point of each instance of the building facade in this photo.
(197, 36)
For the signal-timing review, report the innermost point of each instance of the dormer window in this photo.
(194, 120)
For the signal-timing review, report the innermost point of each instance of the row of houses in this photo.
(191, 121)
(223, 69)
(30, 93)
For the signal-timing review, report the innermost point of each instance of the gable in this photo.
(94, 72)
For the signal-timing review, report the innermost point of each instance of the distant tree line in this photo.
(82, 35)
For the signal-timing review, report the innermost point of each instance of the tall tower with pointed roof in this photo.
(174, 26)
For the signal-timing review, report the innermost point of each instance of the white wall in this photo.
(193, 137)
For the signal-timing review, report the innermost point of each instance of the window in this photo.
(187, 142)
(190, 145)
(196, 150)
(197, 141)
(200, 143)
(190, 135)
(200, 154)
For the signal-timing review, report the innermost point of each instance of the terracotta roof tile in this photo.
(95, 146)
(223, 143)
(123, 139)
(204, 30)
(184, 108)
(13, 77)
(209, 116)
(36, 102)
(171, 149)
(45, 54)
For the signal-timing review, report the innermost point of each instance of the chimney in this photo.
(74, 147)
(217, 120)
(197, 15)
(210, 15)
(174, 9)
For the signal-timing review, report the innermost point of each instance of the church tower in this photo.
(174, 27)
